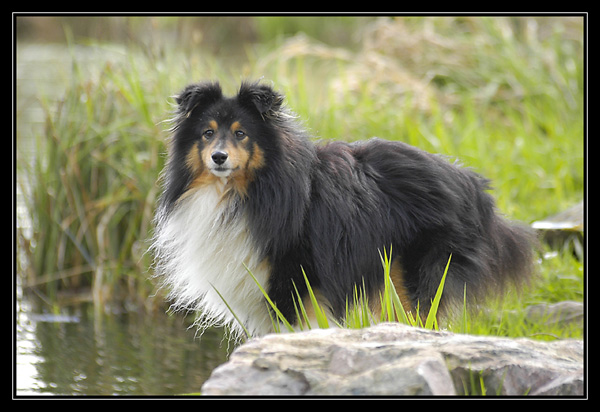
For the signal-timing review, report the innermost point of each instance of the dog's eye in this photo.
(240, 134)
(208, 134)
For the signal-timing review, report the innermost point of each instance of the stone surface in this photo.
(398, 360)
(565, 230)
(559, 313)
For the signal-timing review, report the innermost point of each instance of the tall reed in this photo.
(91, 190)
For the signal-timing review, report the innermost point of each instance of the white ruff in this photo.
(199, 249)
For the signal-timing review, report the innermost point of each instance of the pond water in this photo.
(75, 350)
(78, 352)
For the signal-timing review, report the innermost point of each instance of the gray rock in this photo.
(394, 360)
(564, 231)
(559, 313)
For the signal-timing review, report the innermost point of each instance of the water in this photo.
(77, 352)
(73, 350)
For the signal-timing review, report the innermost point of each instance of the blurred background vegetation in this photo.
(505, 95)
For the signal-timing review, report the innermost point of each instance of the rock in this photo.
(571, 219)
(393, 360)
(558, 313)
(564, 231)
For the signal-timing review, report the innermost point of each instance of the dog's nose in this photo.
(219, 157)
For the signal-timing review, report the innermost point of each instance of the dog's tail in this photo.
(515, 245)
(505, 259)
(489, 254)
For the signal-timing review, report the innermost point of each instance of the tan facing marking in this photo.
(257, 160)
(201, 176)
(238, 155)
(213, 125)
(235, 126)
(203, 179)
(193, 160)
(247, 164)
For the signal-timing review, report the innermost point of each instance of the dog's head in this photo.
(218, 138)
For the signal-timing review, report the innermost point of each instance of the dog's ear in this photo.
(194, 95)
(262, 97)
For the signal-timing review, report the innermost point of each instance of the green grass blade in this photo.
(280, 316)
(276, 325)
(302, 310)
(358, 312)
(401, 314)
(391, 306)
(387, 309)
(431, 320)
(465, 320)
(362, 301)
(248, 336)
(319, 313)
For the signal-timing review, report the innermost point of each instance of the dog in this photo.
(246, 189)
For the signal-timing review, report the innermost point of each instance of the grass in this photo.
(91, 193)
(502, 317)
(503, 95)
(359, 313)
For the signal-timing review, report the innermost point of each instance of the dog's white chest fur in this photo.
(199, 249)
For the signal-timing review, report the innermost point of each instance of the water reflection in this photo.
(79, 353)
